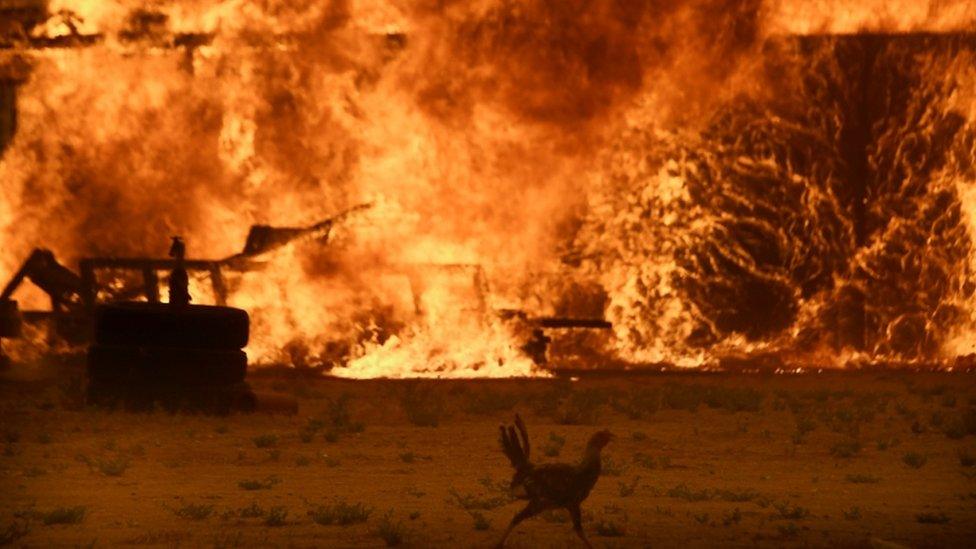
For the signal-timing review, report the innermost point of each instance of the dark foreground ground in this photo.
(844, 460)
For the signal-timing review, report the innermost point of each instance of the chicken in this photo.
(550, 485)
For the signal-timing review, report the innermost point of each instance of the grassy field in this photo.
(859, 459)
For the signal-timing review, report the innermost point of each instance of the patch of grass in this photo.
(700, 518)
(788, 530)
(915, 460)
(804, 426)
(340, 513)
(112, 467)
(608, 528)
(408, 457)
(735, 496)
(553, 445)
(884, 443)
(35, 472)
(390, 531)
(790, 512)
(470, 502)
(639, 403)
(732, 517)
(265, 441)
(734, 399)
(302, 461)
(44, 438)
(682, 491)
(627, 489)
(613, 468)
(480, 522)
(251, 511)
(194, 511)
(169, 538)
(339, 416)
(638, 436)
(332, 462)
(966, 458)
(846, 449)
(555, 516)
(863, 479)
(486, 402)
(255, 484)
(423, 407)
(650, 462)
(64, 515)
(682, 396)
(276, 516)
(581, 408)
(932, 518)
(854, 513)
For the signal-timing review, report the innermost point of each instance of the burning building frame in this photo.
(746, 194)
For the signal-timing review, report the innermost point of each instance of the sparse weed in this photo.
(701, 518)
(340, 513)
(790, 512)
(915, 460)
(170, 538)
(640, 403)
(553, 445)
(276, 516)
(581, 408)
(854, 513)
(64, 515)
(423, 407)
(390, 531)
(885, 443)
(626, 489)
(112, 467)
(255, 484)
(733, 517)
(932, 518)
(266, 441)
(251, 511)
(788, 530)
(846, 449)
(649, 462)
(480, 522)
(966, 458)
(487, 402)
(470, 502)
(555, 516)
(194, 511)
(862, 479)
(608, 528)
(612, 467)
(682, 491)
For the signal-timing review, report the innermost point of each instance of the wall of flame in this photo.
(681, 154)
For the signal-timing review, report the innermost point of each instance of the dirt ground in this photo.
(842, 460)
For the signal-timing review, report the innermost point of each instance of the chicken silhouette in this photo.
(550, 485)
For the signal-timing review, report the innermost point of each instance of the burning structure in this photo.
(721, 180)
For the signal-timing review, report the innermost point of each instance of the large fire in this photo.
(715, 177)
